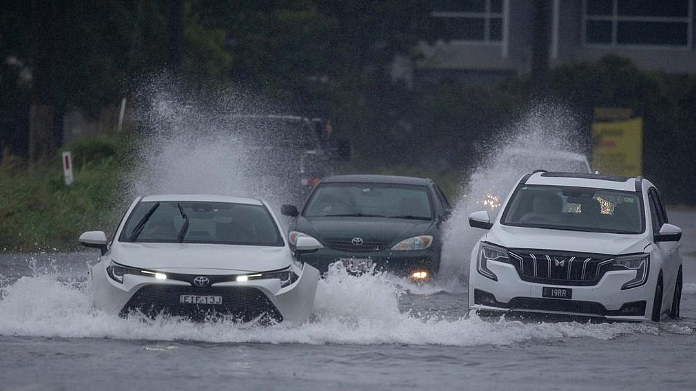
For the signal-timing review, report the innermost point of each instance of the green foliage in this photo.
(39, 212)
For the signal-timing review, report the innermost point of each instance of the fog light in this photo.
(419, 275)
(242, 278)
(160, 276)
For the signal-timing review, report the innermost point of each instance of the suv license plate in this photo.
(197, 299)
(557, 293)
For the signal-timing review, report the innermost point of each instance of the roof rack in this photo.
(639, 183)
(539, 170)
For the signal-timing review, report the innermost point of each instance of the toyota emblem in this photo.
(357, 241)
(201, 281)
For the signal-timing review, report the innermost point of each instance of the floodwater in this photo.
(369, 332)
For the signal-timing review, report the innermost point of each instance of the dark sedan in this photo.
(390, 223)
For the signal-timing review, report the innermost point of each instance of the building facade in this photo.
(490, 39)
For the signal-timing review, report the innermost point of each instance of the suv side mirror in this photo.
(94, 239)
(307, 244)
(668, 233)
(480, 219)
(289, 210)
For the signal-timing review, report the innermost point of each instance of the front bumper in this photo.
(401, 263)
(254, 300)
(510, 294)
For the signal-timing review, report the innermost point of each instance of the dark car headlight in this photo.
(638, 262)
(421, 242)
(117, 271)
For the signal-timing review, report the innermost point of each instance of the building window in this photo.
(469, 20)
(666, 23)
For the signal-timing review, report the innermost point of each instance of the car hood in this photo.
(189, 258)
(572, 241)
(364, 227)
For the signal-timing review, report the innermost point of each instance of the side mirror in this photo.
(480, 219)
(289, 210)
(307, 244)
(94, 239)
(668, 233)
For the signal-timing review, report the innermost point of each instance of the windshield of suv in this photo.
(201, 222)
(575, 209)
(370, 200)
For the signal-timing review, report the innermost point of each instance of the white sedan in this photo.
(202, 257)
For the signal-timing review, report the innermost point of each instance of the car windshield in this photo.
(370, 200)
(201, 222)
(575, 209)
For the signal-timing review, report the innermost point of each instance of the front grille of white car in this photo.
(560, 268)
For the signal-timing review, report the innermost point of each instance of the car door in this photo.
(666, 250)
(672, 265)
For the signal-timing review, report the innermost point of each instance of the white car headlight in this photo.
(489, 252)
(286, 276)
(415, 243)
(117, 271)
(638, 262)
(293, 235)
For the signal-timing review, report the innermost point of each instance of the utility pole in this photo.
(540, 47)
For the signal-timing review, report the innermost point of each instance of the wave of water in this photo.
(348, 310)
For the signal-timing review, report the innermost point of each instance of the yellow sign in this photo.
(617, 147)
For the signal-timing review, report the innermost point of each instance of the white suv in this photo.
(578, 244)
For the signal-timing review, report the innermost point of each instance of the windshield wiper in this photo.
(184, 227)
(141, 224)
(410, 217)
(354, 215)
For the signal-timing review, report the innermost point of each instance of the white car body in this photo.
(553, 251)
(170, 273)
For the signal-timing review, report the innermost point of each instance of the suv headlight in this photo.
(286, 276)
(489, 252)
(293, 235)
(415, 243)
(638, 262)
(117, 271)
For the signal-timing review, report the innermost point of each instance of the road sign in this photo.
(617, 147)
(67, 168)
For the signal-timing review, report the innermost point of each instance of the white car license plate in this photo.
(357, 264)
(198, 299)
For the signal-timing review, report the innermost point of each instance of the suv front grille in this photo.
(367, 245)
(560, 268)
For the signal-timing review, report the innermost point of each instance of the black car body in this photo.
(364, 220)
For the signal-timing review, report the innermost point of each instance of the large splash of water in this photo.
(544, 128)
(348, 310)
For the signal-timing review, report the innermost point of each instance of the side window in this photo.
(656, 211)
(660, 206)
(443, 199)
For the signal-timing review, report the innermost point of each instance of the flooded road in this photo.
(375, 332)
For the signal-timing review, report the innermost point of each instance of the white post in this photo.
(67, 168)
(121, 114)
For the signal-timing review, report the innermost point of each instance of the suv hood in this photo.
(572, 241)
(192, 258)
(365, 227)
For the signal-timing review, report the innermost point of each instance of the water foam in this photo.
(348, 310)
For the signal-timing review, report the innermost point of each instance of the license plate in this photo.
(557, 293)
(198, 299)
(357, 264)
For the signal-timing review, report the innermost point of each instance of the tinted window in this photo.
(575, 209)
(369, 199)
(209, 222)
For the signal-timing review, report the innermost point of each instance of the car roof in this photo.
(577, 179)
(201, 198)
(390, 179)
